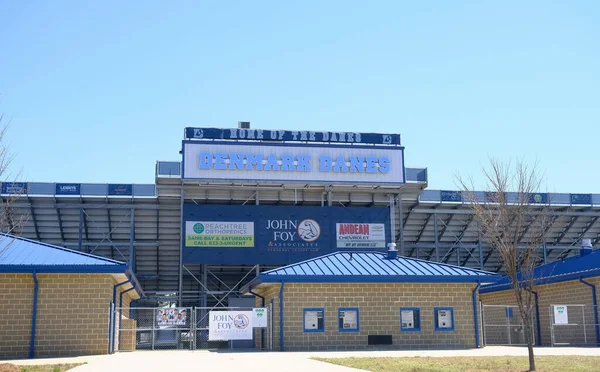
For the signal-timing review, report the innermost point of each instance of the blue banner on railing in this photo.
(279, 235)
(451, 196)
(581, 198)
(538, 198)
(14, 187)
(291, 136)
(120, 189)
(68, 189)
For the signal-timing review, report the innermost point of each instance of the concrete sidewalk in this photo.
(272, 361)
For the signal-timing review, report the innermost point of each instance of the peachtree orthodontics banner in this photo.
(279, 234)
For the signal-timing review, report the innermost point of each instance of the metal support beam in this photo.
(458, 239)
(587, 228)
(60, 225)
(400, 237)
(181, 240)
(131, 241)
(35, 225)
(392, 216)
(112, 251)
(81, 230)
(565, 231)
(436, 237)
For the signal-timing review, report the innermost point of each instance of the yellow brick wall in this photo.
(72, 314)
(379, 306)
(16, 298)
(565, 293)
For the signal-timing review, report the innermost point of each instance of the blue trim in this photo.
(33, 315)
(64, 269)
(595, 304)
(417, 312)
(262, 303)
(491, 288)
(111, 333)
(475, 318)
(281, 316)
(304, 320)
(538, 327)
(357, 329)
(435, 324)
(371, 279)
(121, 308)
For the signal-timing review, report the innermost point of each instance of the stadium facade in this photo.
(241, 201)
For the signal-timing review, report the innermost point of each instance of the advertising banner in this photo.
(219, 234)
(120, 189)
(291, 135)
(170, 317)
(68, 189)
(230, 325)
(277, 235)
(561, 315)
(250, 161)
(259, 317)
(14, 187)
(360, 235)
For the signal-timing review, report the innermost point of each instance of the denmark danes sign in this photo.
(253, 161)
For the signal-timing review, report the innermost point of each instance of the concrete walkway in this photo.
(273, 361)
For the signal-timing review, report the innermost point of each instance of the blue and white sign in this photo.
(120, 189)
(68, 189)
(292, 163)
(14, 187)
(292, 136)
(581, 198)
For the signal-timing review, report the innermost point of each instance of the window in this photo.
(314, 320)
(443, 318)
(410, 319)
(348, 319)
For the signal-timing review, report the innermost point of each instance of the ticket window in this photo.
(443, 318)
(348, 319)
(314, 320)
(410, 319)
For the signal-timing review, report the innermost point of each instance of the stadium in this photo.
(241, 202)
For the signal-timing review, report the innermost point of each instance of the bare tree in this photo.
(11, 222)
(514, 220)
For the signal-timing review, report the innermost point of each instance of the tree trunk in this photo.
(529, 338)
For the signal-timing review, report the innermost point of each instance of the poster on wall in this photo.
(360, 235)
(219, 234)
(407, 319)
(230, 325)
(259, 317)
(561, 315)
(171, 317)
(313, 320)
(349, 319)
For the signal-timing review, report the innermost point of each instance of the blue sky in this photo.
(97, 91)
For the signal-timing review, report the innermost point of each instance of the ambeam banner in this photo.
(277, 235)
(360, 235)
(229, 325)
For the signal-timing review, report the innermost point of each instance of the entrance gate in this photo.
(181, 328)
(502, 325)
(574, 325)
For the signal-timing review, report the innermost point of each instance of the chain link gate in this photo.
(182, 328)
(502, 325)
(574, 325)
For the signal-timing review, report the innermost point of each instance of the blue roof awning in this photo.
(372, 267)
(572, 268)
(19, 255)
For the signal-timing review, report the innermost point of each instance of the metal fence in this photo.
(502, 325)
(182, 328)
(574, 325)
